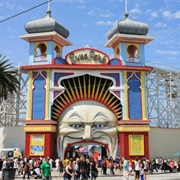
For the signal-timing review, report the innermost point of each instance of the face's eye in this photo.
(76, 126)
(100, 125)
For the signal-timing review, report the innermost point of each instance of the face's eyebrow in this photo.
(75, 115)
(100, 114)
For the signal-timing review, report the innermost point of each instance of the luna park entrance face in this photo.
(87, 123)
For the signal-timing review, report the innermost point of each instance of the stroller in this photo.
(37, 172)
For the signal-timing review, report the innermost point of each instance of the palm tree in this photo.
(9, 82)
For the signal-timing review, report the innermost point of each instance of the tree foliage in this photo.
(9, 82)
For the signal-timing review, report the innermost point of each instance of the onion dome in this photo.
(128, 26)
(46, 24)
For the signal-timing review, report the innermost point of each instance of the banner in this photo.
(37, 145)
(136, 145)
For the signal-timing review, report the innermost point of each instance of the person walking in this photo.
(145, 168)
(141, 165)
(136, 168)
(4, 165)
(68, 174)
(94, 170)
(130, 167)
(26, 170)
(46, 169)
(125, 169)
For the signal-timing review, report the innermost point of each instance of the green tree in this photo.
(9, 82)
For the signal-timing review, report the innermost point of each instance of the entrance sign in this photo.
(136, 145)
(87, 56)
(37, 145)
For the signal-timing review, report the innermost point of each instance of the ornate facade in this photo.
(86, 97)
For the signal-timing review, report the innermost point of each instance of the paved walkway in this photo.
(154, 176)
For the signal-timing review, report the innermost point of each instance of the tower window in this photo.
(57, 51)
(41, 52)
(117, 52)
(133, 54)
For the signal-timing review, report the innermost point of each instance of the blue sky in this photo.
(89, 21)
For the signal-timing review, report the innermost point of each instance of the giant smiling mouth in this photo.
(67, 144)
(85, 143)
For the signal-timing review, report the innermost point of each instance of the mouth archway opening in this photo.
(89, 149)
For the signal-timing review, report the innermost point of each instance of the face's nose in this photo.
(87, 133)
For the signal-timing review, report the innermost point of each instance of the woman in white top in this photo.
(145, 168)
(136, 168)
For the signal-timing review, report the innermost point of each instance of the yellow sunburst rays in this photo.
(102, 90)
(97, 91)
(67, 99)
(113, 103)
(107, 98)
(115, 109)
(89, 87)
(105, 94)
(69, 94)
(118, 113)
(72, 91)
(85, 93)
(76, 90)
(60, 105)
(81, 93)
(57, 109)
(93, 90)
(110, 100)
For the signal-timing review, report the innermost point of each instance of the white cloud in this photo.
(160, 24)
(106, 15)
(90, 13)
(82, 6)
(167, 14)
(8, 5)
(177, 14)
(167, 52)
(154, 14)
(109, 23)
(11, 30)
(135, 11)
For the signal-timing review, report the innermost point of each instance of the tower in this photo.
(46, 39)
(128, 38)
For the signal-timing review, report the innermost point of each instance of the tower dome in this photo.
(46, 24)
(128, 26)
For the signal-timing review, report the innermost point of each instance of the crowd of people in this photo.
(85, 167)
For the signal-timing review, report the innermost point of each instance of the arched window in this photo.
(40, 52)
(133, 54)
(57, 51)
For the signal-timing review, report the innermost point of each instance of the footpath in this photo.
(153, 176)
